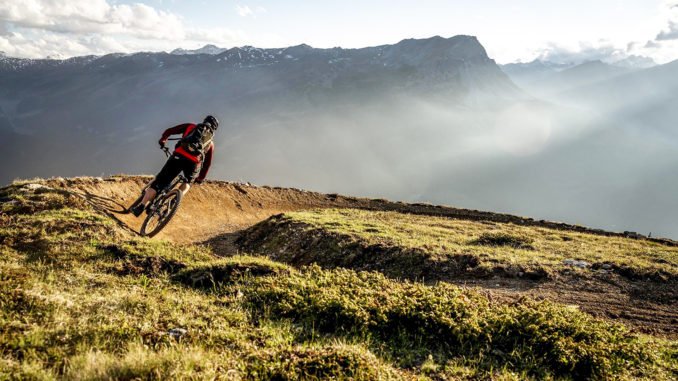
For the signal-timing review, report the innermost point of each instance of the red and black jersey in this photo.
(185, 129)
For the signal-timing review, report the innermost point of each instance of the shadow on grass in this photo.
(105, 205)
(216, 275)
(224, 244)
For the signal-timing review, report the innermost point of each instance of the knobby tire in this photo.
(173, 194)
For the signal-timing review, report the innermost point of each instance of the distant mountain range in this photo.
(544, 79)
(644, 102)
(643, 97)
(526, 73)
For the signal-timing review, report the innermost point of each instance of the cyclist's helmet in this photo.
(212, 121)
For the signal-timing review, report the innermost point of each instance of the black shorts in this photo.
(175, 165)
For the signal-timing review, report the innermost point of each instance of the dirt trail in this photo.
(210, 213)
(215, 212)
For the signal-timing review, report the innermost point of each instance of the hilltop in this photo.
(261, 282)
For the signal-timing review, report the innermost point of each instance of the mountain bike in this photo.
(163, 206)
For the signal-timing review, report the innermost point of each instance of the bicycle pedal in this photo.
(136, 211)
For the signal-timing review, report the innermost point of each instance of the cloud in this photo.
(4, 30)
(670, 10)
(92, 16)
(652, 45)
(37, 28)
(670, 34)
(215, 34)
(644, 52)
(59, 45)
(244, 10)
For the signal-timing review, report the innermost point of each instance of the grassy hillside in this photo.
(83, 298)
(410, 246)
(628, 280)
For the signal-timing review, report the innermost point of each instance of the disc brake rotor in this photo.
(167, 207)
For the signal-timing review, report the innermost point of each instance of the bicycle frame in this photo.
(164, 205)
(158, 197)
(178, 180)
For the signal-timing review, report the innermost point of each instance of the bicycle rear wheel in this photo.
(163, 213)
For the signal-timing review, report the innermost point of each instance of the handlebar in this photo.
(166, 150)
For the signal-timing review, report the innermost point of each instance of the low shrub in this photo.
(503, 239)
(539, 337)
(329, 362)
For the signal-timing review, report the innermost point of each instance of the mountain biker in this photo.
(184, 158)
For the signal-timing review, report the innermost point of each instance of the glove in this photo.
(162, 143)
(199, 181)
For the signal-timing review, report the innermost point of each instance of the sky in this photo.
(511, 31)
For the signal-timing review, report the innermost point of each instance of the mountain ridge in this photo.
(212, 50)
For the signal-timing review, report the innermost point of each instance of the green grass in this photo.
(81, 299)
(439, 240)
(542, 337)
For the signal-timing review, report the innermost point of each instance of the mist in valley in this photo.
(530, 158)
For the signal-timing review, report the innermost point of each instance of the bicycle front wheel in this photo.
(163, 213)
